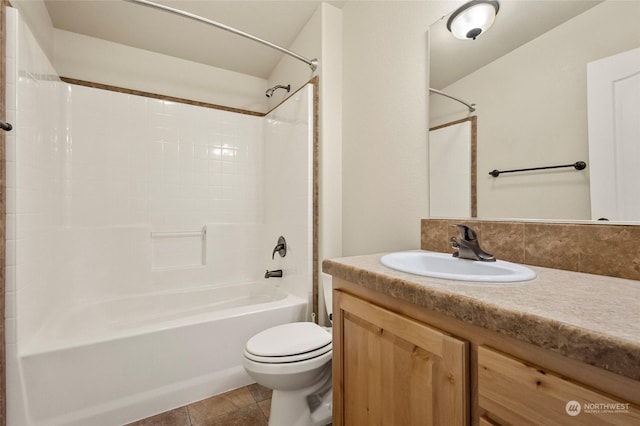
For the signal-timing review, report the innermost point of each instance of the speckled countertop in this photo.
(590, 318)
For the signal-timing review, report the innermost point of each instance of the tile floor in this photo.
(247, 406)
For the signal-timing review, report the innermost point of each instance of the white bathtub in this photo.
(120, 360)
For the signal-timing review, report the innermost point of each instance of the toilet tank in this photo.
(327, 288)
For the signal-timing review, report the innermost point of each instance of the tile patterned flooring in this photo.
(247, 406)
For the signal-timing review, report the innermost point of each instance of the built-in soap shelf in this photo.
(178, 249)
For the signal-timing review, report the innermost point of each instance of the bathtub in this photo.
(119, 360)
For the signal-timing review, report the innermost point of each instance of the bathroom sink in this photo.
(442, 265)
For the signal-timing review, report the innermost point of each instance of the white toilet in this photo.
(295, 361)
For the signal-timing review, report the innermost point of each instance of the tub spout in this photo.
(276, 273)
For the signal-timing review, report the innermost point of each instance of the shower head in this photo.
(269, 92)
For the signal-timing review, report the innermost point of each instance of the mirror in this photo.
(527, 76)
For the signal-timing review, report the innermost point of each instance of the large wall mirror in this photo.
(528, 77)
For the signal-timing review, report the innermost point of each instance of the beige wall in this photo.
(289, 70)
(35, 14)
(385, 123)
(532, 112)
(88, 58)
(331, 91)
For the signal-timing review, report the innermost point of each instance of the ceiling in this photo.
(517, 22)
(280, 21)
(143, 27)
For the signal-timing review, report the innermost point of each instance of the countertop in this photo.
(590, 318)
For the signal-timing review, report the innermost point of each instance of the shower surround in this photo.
(116, 203)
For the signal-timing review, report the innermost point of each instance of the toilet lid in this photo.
(288, 339)
(291, 359)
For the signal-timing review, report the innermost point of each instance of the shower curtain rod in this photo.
(472, 107)
(313, 63)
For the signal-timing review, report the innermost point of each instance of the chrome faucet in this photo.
(468, 247)
(275, 273)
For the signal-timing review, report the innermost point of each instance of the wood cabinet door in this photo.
(519, 393)
(392, 370)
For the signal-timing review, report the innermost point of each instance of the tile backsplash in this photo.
(593, 248)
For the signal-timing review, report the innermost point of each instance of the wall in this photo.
(385, 123)
(35, 14)
(35, 176)
(288, 194)
(34, 205)
(136, 167)
(524, 120)
(290, 70)
(330, 151)
(92, 59)
(3, 213)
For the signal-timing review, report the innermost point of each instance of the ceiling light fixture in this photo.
(473, 18)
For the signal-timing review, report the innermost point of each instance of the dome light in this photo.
(473, 18)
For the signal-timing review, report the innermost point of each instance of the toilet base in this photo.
(292, 408)
(322, 414)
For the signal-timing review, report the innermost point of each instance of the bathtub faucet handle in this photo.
(276, 273)
(280, 248)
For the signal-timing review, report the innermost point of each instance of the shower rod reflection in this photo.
(472, 107)
(313, 63)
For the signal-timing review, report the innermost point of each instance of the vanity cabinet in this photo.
(393, 370)
(398, 364)
(520, 393)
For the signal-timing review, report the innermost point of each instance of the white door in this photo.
(613, 86)
(450, 171)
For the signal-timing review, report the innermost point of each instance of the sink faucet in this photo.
(468, 246)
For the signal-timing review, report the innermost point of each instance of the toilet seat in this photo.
(289, 358)
(288, 343)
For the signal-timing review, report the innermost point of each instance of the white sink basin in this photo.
(442, 265)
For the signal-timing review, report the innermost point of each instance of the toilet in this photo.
(295, 361)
